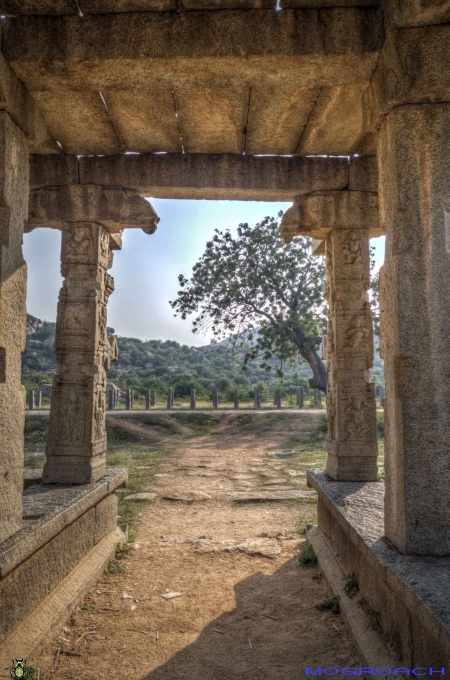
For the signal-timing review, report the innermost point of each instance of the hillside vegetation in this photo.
(154, 364)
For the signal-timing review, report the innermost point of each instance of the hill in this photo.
(154, 364)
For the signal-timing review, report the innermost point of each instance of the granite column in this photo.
(352, 439)
(76, 448)
(14, 190)
(414, 152)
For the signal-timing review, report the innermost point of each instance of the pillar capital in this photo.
(115, 208)
(316, 215)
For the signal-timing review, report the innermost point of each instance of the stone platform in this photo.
(62, 525)
(410, 595)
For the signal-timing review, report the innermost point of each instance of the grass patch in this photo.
(118, 437)
(199, 423)
(36, 432)
(162, 424)
(308, 557)
(351, 587)
(380, 424)
(259, 423)
(331, 603)
(114, 566)
(142, 461)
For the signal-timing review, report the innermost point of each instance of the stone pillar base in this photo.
(74, 469)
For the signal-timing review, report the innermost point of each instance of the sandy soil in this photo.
(247, 608)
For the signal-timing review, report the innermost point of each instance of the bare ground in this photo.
(240, 615)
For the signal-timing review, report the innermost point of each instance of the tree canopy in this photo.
(261, 293)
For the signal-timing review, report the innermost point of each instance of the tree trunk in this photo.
(320, 375)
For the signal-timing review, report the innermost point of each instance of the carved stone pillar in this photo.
(352, 442)
(14, 191)
(76, 447)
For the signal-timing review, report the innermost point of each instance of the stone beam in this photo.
(21, 107)
(112, 207)
(317, 215)
(61, 7)
(334, 46)
(197, 176)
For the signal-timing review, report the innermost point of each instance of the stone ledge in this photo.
(36, 630)
(48, 509)
(422, 584)
(369, 642)
(31, 477)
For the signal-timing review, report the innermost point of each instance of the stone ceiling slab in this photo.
(278, 115)
(145, 119)
(213, 120)
(78, 120)
(336, 122)
(210, 60)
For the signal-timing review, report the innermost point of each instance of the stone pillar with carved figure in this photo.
(76, 448)
(352, 440)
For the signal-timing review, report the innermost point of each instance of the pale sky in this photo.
(146, 269)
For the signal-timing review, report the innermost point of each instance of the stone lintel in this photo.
(47, 510)
(196, 175)
(318, 214)
(20, 105)
(339, 45)
(409, 593)
(114, 208)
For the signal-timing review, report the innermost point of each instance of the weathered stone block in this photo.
(409, 593)
(47, 510)
(105, 517)
(13, 274)
(413, 160)
(28, 584)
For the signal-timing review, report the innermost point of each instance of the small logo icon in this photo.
(19, 669)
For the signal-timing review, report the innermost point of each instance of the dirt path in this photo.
(247, 609)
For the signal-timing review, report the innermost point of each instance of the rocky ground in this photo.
(212, 587)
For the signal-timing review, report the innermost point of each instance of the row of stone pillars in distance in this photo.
(150, 398)
(76, 447)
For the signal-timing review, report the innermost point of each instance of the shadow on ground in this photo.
(260, 637)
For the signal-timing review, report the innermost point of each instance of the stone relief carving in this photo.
(74, 318)
(357, 334)
(78, 241)
(357, 423)
(352, 249)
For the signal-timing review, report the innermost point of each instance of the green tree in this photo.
(262, 293)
